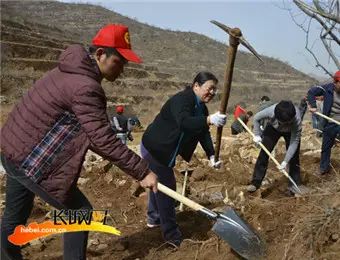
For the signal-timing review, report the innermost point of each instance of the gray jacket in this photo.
(294, 128)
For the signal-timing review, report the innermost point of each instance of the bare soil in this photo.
(305, 227)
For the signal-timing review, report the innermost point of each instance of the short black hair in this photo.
(204, 76)
(250, 113)
(285, 111)
(108, 51)
(265, 98)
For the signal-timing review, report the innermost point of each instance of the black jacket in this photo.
(182, 121)
(123, 123)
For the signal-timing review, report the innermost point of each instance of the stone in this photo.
(335, 237)
(108, 178)
(104, 166)
(102, 247)
(3, 100)
(197, 175)
(136, 189)
(120, 245)
(82, 181)
(142, 201)
(92, 158)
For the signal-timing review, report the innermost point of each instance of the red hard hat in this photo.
(116, 36)
(119, 109)
(337, 76)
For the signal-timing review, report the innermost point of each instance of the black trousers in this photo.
(270, 138)
(20, 193)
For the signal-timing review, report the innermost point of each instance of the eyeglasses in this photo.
(211, 90)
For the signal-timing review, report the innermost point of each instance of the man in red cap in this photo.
(47, 134)
(331, 108)
(120, 125)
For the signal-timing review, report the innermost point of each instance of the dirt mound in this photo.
(292, 227)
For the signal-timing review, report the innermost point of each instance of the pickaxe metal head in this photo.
(237, 35)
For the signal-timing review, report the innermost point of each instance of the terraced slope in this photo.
(34, 33)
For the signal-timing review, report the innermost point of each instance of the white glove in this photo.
(218, 119)
(282, 166)
(257, 139)
(214, 164)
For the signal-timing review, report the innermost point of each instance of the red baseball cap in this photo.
(116, 36)
(337, 76)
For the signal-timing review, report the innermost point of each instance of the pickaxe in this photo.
(234, 40)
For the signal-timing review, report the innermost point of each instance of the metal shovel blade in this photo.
(239, 235)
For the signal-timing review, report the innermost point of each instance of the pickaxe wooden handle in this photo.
(234, 40)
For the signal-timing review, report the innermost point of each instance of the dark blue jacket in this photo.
(327, 91)
(177, 129)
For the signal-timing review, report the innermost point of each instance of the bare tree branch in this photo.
(329, 49)
(303, 8)
(326, 14)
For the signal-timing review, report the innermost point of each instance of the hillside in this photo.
(40, 30)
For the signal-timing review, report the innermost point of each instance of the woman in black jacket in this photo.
(182, 122)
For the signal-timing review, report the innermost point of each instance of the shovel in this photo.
(229, 226)
(184, 187)
(297, 189)
(328, 118)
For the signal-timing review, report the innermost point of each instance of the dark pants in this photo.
(270, 138)
(330, 132)
(161, 208)
(234, 132)
(20, 193)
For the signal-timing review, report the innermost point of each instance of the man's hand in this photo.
(214, 164)
(257, 139)
(312, 109)
(282, 166)
(150, 181)
(217, 119)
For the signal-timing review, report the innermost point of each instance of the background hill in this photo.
(34, 33)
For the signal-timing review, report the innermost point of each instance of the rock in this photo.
(207, 192)
(335, 237)
(215, 197)
(142, 201)
(314, 152)
(82, 181)
(92, 158)
(104, 166)
(120, 245)
(38, 243)
(102, 247)
(120, 182)
(2, 170)
(197, 175)
(93, 242)
(108, 178)
(3, 100)
(136, 189)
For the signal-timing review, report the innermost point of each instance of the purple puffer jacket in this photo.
(73, 87)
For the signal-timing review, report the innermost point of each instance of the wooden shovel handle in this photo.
(262, 146)
(183, 189)
(179, 197)
(328, 118)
